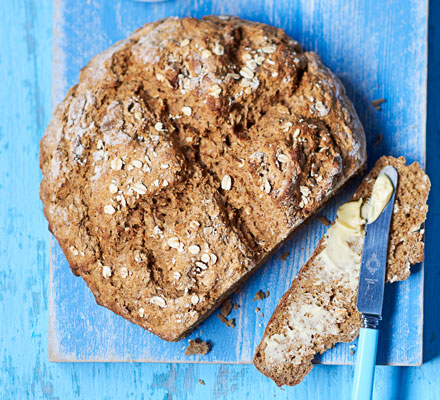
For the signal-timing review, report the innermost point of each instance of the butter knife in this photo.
(371, 292)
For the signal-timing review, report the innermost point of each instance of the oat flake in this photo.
(137, 163)
(187, 111)
(139, 188)
(226, 182)
(174, 242)
(106, 272)
(158, 301)
(123, 271)
(201, 265)
(158, 126)
(194, 224)
(267, 186)
(194, 249)
(282, 158)
(215, 91)
(112, 188)
(116, 164)
(109, 209)
(269, 49)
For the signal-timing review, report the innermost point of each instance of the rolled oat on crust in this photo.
(319, 309)
(186, 154)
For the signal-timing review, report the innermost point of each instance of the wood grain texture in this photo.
(361, 48)
(25, 371)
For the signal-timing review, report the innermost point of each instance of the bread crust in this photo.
(405, 248)
(219, 122)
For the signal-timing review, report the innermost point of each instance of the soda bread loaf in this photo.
(186, 154)
(319, 309)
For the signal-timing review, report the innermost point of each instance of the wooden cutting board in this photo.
(378, 49)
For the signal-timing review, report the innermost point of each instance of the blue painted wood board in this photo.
(25, 370)
(377, 51)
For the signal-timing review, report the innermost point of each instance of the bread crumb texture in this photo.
(319, 309)
(197, 347)
(163, 166)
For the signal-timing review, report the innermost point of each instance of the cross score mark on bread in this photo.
(184, 156)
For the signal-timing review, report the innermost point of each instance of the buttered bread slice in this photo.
(319, 309)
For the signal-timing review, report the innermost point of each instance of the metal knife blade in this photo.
(374, 257)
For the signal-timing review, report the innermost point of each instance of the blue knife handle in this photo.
(365, 363)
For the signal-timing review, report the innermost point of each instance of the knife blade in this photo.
(374, 258)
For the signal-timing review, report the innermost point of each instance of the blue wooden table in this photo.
(25, 106)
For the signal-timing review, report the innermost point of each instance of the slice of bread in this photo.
(319, 309)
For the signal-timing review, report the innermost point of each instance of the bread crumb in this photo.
(352, 349)
(260, 295)
(377, 103)
(198, 347)
(284, 256)
(257, 309)
(202, 382)
(222, 318)
(236, 305)
(378, 140)
(230, 323)
(226, 307)
(267, 293)
(324, 220)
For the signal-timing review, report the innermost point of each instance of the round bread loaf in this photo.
(184, 156)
